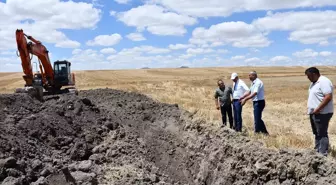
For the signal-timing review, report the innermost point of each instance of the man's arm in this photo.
(217, 104)
(250, 96)
(253, 93)
(216, 100)
(327, 92)
(247, 91)
(245, 95)
(324, 102)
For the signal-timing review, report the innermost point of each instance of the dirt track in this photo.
(107, 136)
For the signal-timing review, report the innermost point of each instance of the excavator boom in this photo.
(22, 46)
(38, 49)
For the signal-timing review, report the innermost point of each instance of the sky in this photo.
(132, 34)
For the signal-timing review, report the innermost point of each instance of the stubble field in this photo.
(193, 89)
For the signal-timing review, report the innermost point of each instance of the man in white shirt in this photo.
(257, 95)
(239, 90)
(320, 107)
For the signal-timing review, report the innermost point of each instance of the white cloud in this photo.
(198, 51)
(44, 24)
(222, 51)
(68, 44)
(136, 37)
(87, 59)
(311, 57)
(137, 58)
(113, 13)
(325, 53)
(105, 40)
(9, 52)
(223, 8)
(10, 64)
(280, 59)
(307, 27)
(186, 56)
(158, 21)
(306, 53)
(254, 50)
(179, 46)
(122, 1)
(76, 51)
(238, 57)
(108, 51)
(253, 60)
(324, 43)
(143, 49)
(238, 34)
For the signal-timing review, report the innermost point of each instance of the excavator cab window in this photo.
(61, 69)
(62, 72)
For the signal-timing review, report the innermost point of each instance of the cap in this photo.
(233, 76)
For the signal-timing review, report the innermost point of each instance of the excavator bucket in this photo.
(33, 91)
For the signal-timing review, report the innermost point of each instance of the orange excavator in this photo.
(49, 78)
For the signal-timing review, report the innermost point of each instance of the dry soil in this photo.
(107, 136)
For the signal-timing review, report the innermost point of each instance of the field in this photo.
(193, 89)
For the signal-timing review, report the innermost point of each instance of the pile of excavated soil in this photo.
(108, 136)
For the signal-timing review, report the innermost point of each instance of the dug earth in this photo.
(107, 136)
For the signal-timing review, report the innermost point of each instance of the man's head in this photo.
(220, 84)
(253, 75)
(234, 77)
(312, 74)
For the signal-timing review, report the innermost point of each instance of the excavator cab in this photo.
(62, 73)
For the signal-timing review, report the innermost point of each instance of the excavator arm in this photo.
(38, 49)
(22, 46)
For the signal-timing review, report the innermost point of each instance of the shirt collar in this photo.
(254, 81)
(318, 80)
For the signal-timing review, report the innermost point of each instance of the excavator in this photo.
(51, 78)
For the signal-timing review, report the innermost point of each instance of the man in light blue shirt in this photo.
(257, 95)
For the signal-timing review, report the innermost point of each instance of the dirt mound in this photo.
(107, 136)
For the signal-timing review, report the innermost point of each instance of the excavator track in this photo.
(70, 90)
(38, 93)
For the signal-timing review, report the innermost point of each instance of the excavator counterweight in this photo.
(48, 78)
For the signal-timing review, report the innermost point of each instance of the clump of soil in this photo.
(107, 136)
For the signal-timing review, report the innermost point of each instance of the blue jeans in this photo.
(259, 125)
(237, 114)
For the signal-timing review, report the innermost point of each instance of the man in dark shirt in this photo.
(223, 102)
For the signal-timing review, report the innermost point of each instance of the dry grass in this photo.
(286, 95)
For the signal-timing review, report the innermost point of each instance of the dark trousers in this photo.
(319, 124)
(259, 125)
(227, 110)
(237, 114)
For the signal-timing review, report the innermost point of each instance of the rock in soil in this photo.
(107, 136)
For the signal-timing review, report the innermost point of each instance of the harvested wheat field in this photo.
(159, 126)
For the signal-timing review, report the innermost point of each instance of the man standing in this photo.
(320, 108)
(257, 95)
(223, 102)
(239, 90)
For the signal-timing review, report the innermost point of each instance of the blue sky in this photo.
(95, 34)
